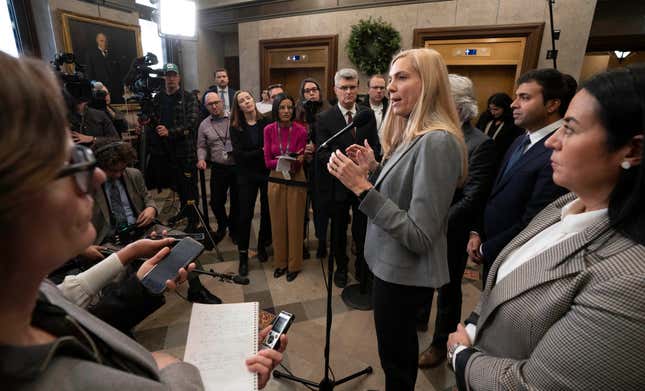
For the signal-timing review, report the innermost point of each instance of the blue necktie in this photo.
(517, 154)
(118, 211)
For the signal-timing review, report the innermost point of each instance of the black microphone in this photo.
(361, 118)
(234, 278)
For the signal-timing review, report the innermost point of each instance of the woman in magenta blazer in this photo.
(287, 186)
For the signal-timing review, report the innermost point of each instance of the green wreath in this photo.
(372, 44)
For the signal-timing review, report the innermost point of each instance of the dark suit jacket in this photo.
(139, 200)
(106, 69)
(95, 123)
(329, 122)
(517, 197)
(249, 158)
(469, 201)
(569, 319)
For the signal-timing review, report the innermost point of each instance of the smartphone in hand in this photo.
(183, 253)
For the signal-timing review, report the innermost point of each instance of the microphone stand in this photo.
(326, 384)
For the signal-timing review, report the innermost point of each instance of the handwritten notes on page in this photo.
(220, 338)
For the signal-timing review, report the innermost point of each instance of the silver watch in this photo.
(451, 352)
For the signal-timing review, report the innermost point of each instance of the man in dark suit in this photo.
(377, 100)
(103, 66)
(222, 89)
(329, 122)
(524, 184)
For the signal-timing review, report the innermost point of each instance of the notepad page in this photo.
(220, 338)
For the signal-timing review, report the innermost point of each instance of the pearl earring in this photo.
(625, 165)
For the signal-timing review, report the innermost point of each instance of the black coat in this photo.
(249, 157)
(504, 138)
(92, 122)
(329, 122)
(108, 70)
(467, 207)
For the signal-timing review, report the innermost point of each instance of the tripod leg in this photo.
(208, 234)
(278, 375)
(365, 371)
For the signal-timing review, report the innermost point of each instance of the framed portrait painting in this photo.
(104, 47)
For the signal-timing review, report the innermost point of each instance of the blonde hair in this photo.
(33, 139)
(434, 110)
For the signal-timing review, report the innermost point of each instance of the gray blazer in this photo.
(408, 211)
(66, 364)
(573, 317)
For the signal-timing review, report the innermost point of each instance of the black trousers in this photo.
(223, 181)
(395, 309)
(449, 296)
(185, 178)
(248, 193)
(340, 220)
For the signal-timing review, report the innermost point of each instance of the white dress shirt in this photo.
(227, 103)
(344, 112)
(378, 113)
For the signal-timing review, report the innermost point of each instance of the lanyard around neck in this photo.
(224, 139)
(280, 138)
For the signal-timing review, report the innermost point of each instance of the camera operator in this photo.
(171, 144)
(88, 125)
(101, 101)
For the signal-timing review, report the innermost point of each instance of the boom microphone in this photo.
(362, 118)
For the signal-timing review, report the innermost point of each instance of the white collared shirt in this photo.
(344, 111)
(378, 113)
(572, 221)
(227, 104)
(538, 135)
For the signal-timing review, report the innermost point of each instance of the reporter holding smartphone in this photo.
(287, 188)
(45, 214)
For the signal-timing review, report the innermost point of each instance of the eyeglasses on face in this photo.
(310, 90)
(347, 88)
(81, 166)
(378, 87)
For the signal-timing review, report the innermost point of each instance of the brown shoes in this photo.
(432, 357)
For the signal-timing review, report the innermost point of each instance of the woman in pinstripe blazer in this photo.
(564, 303)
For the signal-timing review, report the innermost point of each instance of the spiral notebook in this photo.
(220, 338)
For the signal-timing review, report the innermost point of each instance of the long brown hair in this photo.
(238, 120)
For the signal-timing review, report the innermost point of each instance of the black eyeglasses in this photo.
(310, 90)
(81, 165)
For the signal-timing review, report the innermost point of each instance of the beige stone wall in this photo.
(572, 17)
